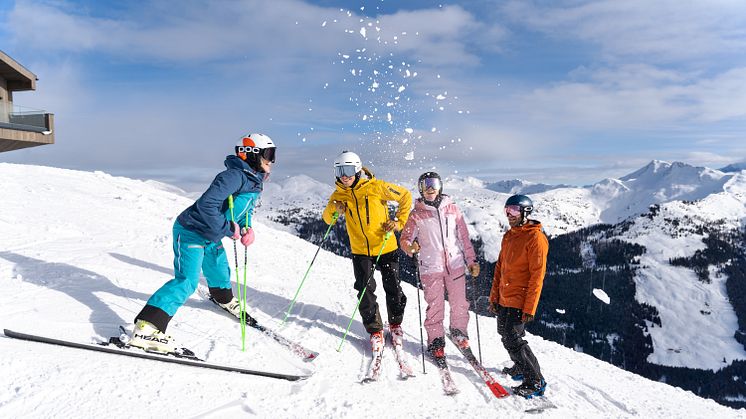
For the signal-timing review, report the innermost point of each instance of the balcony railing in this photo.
(25, 119)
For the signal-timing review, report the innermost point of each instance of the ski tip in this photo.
(311, 357)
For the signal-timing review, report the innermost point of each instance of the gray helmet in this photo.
(526, 204)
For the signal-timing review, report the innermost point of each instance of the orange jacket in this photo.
(520, 268)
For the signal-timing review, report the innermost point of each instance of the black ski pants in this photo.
(388, 264)
(512, 331)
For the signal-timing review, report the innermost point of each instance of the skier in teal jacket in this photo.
(198, 232)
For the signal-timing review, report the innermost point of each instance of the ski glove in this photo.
(409, 249)
(527, 318)
(474, 270)
(493, 307)
(236, 231)
(247, 236)
(390, 226)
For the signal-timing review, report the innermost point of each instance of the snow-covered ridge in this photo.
(81, 252)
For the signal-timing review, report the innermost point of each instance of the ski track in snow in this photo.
(103, 245)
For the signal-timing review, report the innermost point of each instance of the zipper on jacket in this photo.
(445, 253)
(357, 206)
(367, 211)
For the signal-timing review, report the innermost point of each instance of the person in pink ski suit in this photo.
(437, 232)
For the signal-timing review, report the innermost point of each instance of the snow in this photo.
(601, 295)
(81, 252)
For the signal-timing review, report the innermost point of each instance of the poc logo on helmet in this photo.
(247, 149)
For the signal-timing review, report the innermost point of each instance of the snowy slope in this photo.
(81, 252)
(686, 334)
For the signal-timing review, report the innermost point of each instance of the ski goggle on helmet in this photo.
(347, 164)
(252, 146)
(513, 210)
(430, 183)
(346, 171)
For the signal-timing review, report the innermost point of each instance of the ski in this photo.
(374, 370)
(540, 404)
(405, 370)
(449, 386)
(113, 347)
(295, 348)
(492, 384)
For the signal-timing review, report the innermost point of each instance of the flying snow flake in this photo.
(323, 24)
(363, 31)
(388, 116)
(601, 295)
(408, 130)
(401, 89)
(560, 310)
(440, 97)
(433, 129)
(409, 156)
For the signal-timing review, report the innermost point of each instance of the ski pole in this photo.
(292, 303)
(241, 297)
(238, 286)
(373, 271)
(419, 309)
(476, 315)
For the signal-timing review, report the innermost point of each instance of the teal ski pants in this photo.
(192, 254)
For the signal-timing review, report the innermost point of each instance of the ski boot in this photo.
(147, 337)
(529, 389)
(397, 334)
(376, 341)
(436, 349)
(460, 338)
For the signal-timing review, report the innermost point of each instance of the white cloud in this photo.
(660, 31)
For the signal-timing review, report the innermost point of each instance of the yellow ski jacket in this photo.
(367, 211)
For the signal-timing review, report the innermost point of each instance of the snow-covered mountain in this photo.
(81, 252)
(735, 167)
(518, 186)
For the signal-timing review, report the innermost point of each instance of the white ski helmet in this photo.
(347, 164)
(252, 146)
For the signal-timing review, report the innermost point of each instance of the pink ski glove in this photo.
(236, 231)
(247, 236)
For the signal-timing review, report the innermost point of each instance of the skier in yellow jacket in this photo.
(364, 202)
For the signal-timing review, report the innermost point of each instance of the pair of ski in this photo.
(449, 386)
(375, 367)
(295, 348)
(538, 403)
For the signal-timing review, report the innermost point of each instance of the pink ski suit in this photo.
(445, 251)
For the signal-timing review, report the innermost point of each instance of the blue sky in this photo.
(549, 91)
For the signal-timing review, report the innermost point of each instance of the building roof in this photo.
(17, 76)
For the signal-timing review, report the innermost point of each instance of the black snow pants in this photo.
(388, 264)
(512, 331)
